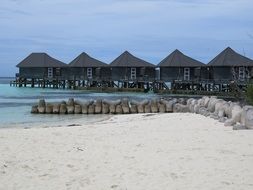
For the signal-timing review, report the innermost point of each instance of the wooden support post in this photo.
(32, 85)
(43, 83)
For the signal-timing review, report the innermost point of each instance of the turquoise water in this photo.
(15, 104)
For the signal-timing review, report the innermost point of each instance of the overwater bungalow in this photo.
(131, 68)
(84, 67)
(178, 66)
(41, 66)
(230, 65)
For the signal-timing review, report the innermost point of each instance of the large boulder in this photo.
(105, 108)
(169, 104)
(204, 111)
(133, 108)
(219, 111)
(211, 104)
(236, 112)
(125, 106)
(119, 109)
(112, 105)
(78, 109)
(247, 117)
(70, 109)
(191, 104)
(63, 108)
(182, 101)
(196, 108)
(140, 108)
(98, 106)
(85, 108)
(180, 108)
(154, 106)
(206, 100)
(49, 108)
(85, 105)
(139, 105)
(42, 106)
(71, 102)
(147, 108)
(56, 108)
(161, 107)
(189, 101)
(34, 109)
(91, 109)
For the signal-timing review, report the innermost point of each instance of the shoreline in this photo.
(62, 123)
(137, 151)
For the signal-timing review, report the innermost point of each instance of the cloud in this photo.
(149, 28)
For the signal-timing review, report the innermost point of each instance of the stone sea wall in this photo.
(230, 113)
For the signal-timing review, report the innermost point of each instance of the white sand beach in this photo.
(150, 151)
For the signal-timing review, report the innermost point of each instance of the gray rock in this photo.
(85, 109)
(140, 108)
(42, 103)
(105, 108)
(239, 127)
(63, 108)
(41, 109)
(133, 109)
(112, 108)
(34, 109)
(125, 106)
(56, 108)
(78, 109)
(154, 107)
(71, 102)
(70, 109)
(98, 106)
(161, 108)
(119, 109)
(147, 108)
(91, 109)
(49, 108)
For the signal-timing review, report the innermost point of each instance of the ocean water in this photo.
(15, 105)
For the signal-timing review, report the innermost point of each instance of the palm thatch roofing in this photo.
(40, 60)
(126, 59)
(228, 58)
(84, 60)
(178, 59)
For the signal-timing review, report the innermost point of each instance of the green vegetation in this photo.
(249, 94)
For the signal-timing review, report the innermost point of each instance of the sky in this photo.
(149, 29)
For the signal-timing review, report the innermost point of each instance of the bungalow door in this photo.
(187, 73)
(89, 73)
(50, 71)
(241, 73)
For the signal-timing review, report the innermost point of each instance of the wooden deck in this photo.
(106, 85)
(138, 85)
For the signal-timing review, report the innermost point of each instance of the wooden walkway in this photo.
(134, 85)
(128, 85)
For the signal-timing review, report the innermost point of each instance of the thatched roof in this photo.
(229, 57)
(126, 59)
(84, 60)
(178, 59)
(40, 60)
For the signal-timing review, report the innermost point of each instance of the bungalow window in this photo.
(133, 73)
(89, 73)
(241, 73)
(186, 73)
(50, 72)
(58, 71)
